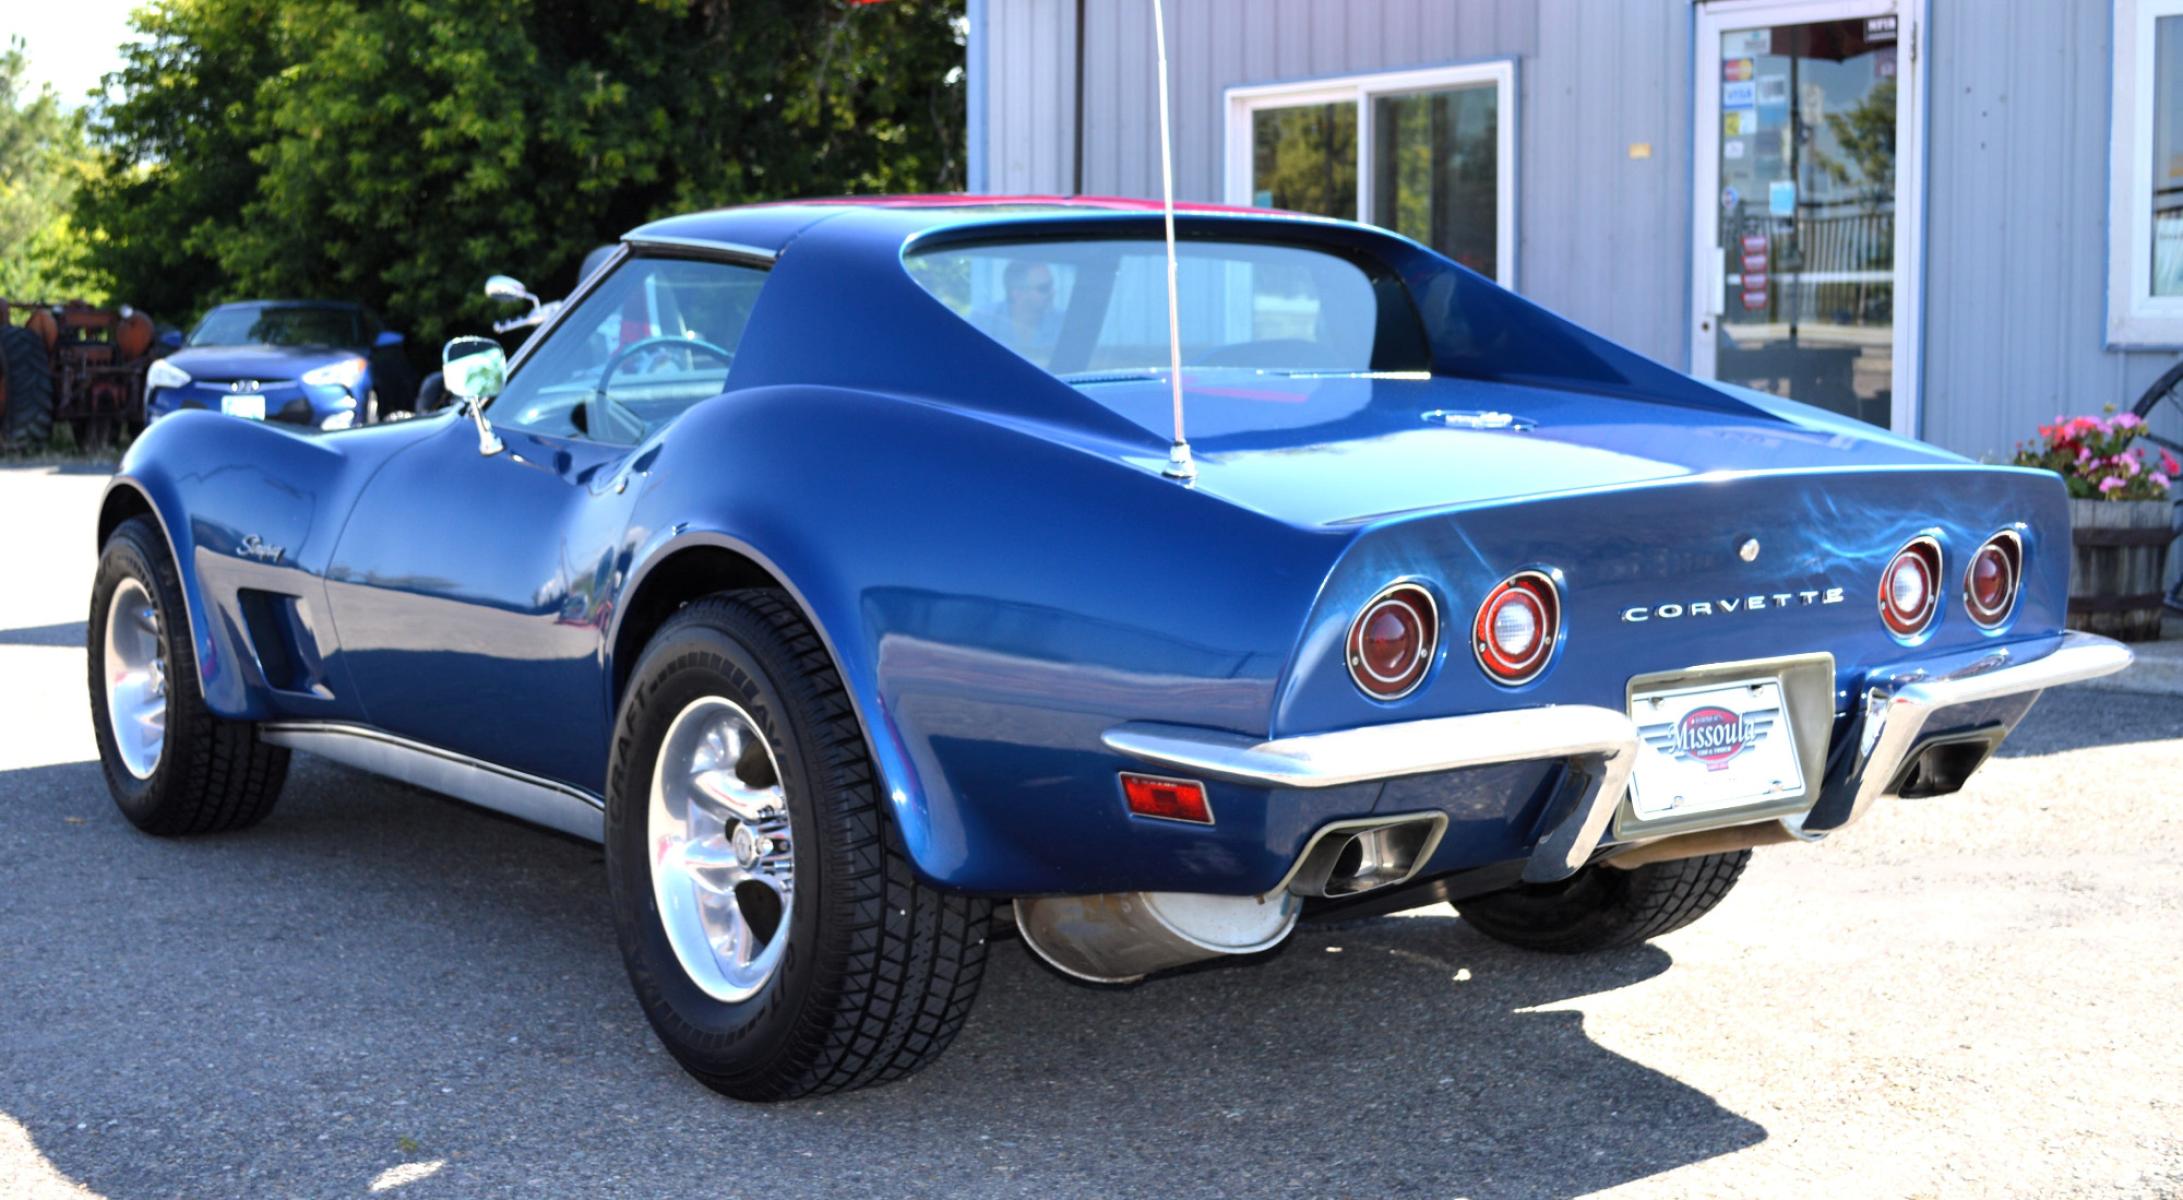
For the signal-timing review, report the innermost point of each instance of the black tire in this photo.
(1602, 907)
(213, 775)
(880, 969)
(26, 391)
(2166, 390)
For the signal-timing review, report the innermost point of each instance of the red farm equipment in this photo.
(72, 364)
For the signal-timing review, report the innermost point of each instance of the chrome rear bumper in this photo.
(1600, 744)
(1900, 710)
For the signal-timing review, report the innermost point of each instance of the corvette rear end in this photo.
(1490, 698)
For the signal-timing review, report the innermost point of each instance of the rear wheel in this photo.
(776, 936)
(1601, 906)
(26, 390)
(172, 766)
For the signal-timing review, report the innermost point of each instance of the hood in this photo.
(1341, 449)
(223, 363)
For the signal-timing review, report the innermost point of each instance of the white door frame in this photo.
(1707, 288)
(1244, 100)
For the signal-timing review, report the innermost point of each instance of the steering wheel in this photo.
(601, 406)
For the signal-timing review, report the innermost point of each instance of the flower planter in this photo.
(2120, 559)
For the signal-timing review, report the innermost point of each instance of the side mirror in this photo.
(505, 287)
(387, 340)
(171, 338)
(475, 369)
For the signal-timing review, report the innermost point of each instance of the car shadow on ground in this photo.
(375, 976)
(2127, 717)
(68, 633)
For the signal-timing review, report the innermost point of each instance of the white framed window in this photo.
(1430, 154)
(2145, 185)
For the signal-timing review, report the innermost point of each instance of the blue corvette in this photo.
(828, 562)
(314, 363)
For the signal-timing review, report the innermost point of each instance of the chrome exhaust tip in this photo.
(1350, 858)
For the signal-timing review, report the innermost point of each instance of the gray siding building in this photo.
(1956, 218)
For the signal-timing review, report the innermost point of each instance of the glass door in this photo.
(1800, 276)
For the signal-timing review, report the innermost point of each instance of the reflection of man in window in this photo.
(1025, 319)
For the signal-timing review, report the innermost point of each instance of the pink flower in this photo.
(2160, 481)
(2128, 421)
(2128, 462)
(2168, 463)
(2083, 455)
(2112, 483)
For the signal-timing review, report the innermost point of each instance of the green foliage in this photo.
(398, 151)
(43, 160)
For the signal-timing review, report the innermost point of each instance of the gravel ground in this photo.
(378, 992)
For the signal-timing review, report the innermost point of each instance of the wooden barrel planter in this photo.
(2120, 562)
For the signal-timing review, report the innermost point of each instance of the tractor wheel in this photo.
(26, 391)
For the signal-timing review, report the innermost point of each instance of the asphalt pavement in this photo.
(380, 993)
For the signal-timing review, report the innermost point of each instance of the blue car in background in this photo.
(316, 363)
(835, 567)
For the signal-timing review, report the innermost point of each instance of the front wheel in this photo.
(172, 766)
(1602, 906)
(777, 939)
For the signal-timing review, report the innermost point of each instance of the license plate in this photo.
(1717, 746)
(249, 408)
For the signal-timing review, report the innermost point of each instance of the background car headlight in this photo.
(164, 374)
(344, 374)
(345, 419)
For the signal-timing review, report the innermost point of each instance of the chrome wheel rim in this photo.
(723, 862)
(136, 679)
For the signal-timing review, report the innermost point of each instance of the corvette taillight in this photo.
(1991, 582)
(1910, 588)
(1391, 642)
(1516, 627)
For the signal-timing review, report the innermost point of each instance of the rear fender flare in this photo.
(895, 772)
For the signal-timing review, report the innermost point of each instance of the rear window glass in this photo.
(1092, 308)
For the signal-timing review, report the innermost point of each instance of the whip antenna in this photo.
(1179, 464)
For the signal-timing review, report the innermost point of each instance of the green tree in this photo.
(43, 160)
(398, 151)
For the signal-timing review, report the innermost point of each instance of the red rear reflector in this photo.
(1167, 799)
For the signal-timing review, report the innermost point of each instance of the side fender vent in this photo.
(279, 630)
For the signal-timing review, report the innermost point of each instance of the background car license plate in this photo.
(251, 408)
(1720, 746)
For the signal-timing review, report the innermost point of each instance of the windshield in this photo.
(279, 325)
(652, 339)
(1095, 309)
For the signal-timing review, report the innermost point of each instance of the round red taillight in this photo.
(1910, 588)
(1991, 582)
(1516, 627)
(1391, 642)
